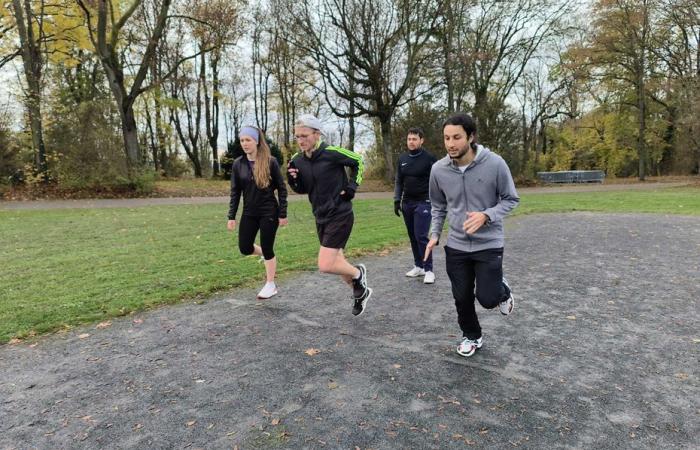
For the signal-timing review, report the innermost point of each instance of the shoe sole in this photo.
(467, 355)
(428, 282)
(364, 303)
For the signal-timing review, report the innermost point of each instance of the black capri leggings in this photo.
(248, 229)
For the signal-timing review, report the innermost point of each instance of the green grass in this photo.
(61, 268)
(662, 201)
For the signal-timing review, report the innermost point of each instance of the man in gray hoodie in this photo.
(473, 188)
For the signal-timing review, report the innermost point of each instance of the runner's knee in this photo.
(246, 248)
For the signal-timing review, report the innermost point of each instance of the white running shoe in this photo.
(429, 278)
(468, 346)
(507, 305)
(415, 272)
(269, 290)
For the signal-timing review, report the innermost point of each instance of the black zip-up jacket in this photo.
(413, 175)
(323, 177)
(257, 202)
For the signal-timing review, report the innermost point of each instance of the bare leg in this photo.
(270, 269)
(332, 260)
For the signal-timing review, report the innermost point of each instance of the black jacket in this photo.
(413, 175)
(257, 202)
(323, 177)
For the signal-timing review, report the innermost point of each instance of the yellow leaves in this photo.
(312, 351)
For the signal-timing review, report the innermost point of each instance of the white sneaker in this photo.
(429, 278)
(415, 272)
(468, 346)
(507, 305)
(269, 290)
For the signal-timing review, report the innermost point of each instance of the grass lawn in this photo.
(61, 268)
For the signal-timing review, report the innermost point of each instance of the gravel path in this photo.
(601, 352)
(137, 202)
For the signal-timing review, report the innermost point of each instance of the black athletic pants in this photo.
(475, 275)
(248, 229)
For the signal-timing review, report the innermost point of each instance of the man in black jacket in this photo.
(412, 199)
(319, 171)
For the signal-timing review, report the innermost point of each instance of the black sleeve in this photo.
(297, 184)
(281, 186)
(235, 192)
(398, 185)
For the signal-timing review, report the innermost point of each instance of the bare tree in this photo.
(370, 53)
(108, 31)
(217, 27)
(500, 41)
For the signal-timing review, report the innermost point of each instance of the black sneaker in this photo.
(359, 286)
(359, 306)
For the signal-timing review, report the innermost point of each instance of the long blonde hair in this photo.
(261, 171)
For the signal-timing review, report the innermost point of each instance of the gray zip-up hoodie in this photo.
(486, 186)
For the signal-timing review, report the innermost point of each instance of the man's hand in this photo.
(429, 248)
(397, 208)
(293, 172)
(283, 221)
(231, 225)
(347, 194)
(475, 220)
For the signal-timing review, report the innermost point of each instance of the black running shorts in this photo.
(335, 234)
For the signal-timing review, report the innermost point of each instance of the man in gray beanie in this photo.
(319, 171)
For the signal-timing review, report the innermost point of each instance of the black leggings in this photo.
(248, 229)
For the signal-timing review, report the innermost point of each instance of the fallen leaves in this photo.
(191, 423)
(571, 317)
(84, 336)
(332, 385)
(312, 351)
(103, 325)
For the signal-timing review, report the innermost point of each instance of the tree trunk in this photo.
(152, 137)
(385, 127)
(130, 135)
(641, 106)
(32, 64)
(212, 113)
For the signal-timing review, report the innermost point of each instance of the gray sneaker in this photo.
(469, 346)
